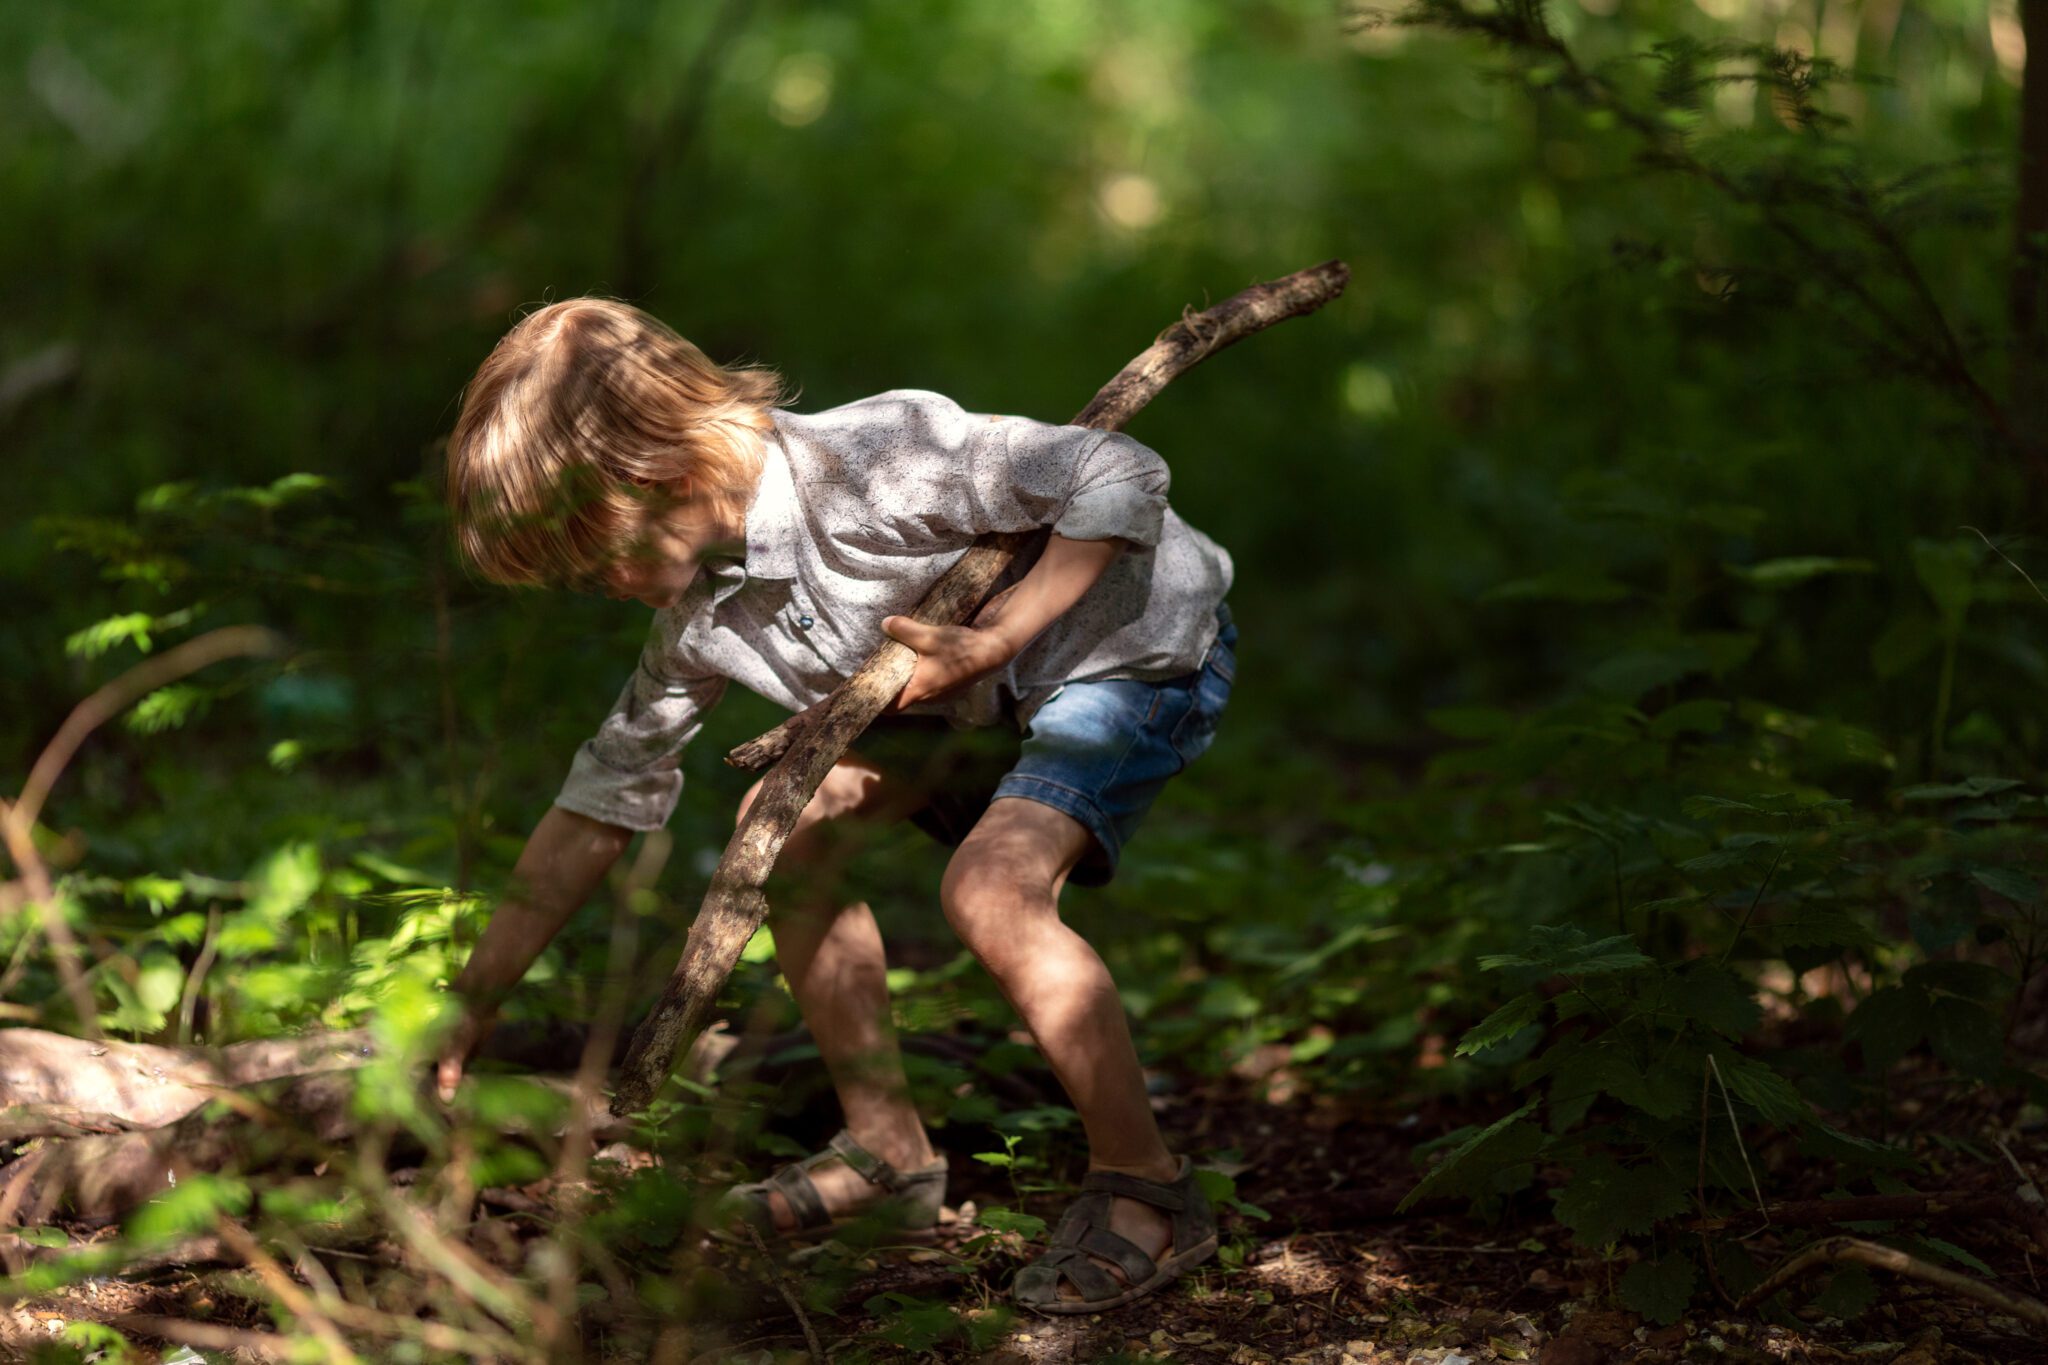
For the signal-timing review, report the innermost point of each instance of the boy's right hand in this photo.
(461, 1046)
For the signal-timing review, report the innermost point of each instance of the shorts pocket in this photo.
(1197, 729)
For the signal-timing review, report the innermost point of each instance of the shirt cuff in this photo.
(1128, 510)
(640, 801)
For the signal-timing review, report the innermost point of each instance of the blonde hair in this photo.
(572, 404)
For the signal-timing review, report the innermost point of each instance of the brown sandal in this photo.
(1084, 1231)
(910, 1211)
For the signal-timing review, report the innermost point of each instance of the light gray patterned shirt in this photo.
(859, 510)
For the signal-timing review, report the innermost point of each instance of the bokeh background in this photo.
(1589, 439)
(250, 242)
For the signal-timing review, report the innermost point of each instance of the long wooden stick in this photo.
(804, 748)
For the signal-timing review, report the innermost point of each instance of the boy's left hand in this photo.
(948, 657)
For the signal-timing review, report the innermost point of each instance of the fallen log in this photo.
(52, 1085)
(805, 747)
(96, 1179)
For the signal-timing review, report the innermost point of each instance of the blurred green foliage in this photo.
(1631, 569)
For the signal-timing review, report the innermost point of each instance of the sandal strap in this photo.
(1127, 1255)
(1042, 1277)
(865, 1163)
(802, 1196)
(1153, 1192)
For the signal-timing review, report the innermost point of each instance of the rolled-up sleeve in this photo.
(922, 463)
(1084, 484)
(630, 772)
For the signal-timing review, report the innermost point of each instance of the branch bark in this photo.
(804, 748)
(1836, 1250)
(52, 1084)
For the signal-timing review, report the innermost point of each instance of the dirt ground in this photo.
(1333, 1276)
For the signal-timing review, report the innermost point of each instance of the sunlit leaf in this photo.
(1470, 1169)
(1503, 1024)
(1786, 573)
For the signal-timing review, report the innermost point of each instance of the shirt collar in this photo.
(771, 517)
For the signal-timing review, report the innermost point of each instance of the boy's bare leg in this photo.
(1001, 894)
(833, 959)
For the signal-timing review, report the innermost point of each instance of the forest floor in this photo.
(1332, 1276)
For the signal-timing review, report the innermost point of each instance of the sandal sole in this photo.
(1170, 1269)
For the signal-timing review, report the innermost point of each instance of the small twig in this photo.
(287, 1291)
(437, 1336)
(2008, 559)
(17, 965)
(2029, 1205)
(2029, 1192)
(115, 697)
(1754, 901)
(1740, 1145)
(469, 1276)
(19, 834)
(775, 1277)
(188, 1005)
(1714, 1280)
(1699, 1198)
(18, 817)
(1854, 1249)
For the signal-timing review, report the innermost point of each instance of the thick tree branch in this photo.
(813, 741)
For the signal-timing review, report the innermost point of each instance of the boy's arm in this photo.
(1097, 491)
(624, 779)
(951, 657)
(565, 858)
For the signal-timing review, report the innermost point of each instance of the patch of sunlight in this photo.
(1130, 200)
(801, 90)
(2008, 41)
(1369, 391)
(1735, 103)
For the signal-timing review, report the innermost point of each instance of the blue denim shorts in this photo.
(1099, 751)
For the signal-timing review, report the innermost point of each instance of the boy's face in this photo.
(658, 569)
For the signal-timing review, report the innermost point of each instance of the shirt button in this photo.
(804, 623)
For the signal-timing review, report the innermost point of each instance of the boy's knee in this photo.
(852, 788)
(986, 897)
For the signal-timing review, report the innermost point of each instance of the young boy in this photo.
(596, 448)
